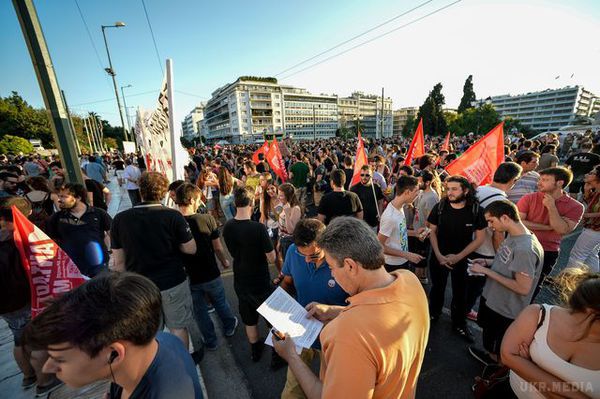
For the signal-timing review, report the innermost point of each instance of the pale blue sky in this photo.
(509, 47)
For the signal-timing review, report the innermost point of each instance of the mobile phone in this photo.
(278, 335)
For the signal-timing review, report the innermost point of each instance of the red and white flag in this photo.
(480, 161)
(361, 159)
(50, 270)
(262, 150)
(417, 146)
(275, 160)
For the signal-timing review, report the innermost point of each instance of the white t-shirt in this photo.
(393, 226)
(486, 195)
(133, 173)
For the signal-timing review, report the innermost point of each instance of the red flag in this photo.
(446, 145)
(417, 147)
(480, 161)
(275, 160)
(262, 150)
(361, 159)
(50, 270)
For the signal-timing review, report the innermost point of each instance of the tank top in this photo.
(587, 381)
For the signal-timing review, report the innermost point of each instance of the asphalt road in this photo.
(447, 372)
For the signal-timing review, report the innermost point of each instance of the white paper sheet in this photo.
(288, 316)
(269, 341)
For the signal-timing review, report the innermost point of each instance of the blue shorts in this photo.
(17, 321)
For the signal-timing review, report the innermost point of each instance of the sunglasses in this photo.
(365, 175)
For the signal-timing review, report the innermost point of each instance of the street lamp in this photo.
(126, 111)
(111, 71)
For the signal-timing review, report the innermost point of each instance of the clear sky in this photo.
(510, 46)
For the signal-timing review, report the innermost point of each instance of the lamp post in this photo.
(126, 111)
(110, 70)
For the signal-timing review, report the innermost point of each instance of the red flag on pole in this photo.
(50, 270)
(275, 160)
(361, 159)
(262, 150)
(446, 145)
(417, 146)
(480, 161)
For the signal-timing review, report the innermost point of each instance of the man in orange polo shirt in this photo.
(374, 347)
(550, 213)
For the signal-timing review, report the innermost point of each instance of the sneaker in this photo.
(472, 315)
(481, 355)
(277, 361)
(230, 333)
(464, 333)
(46, 389)
(257, 350)
(28, 382)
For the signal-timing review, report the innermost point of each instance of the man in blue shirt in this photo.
(307, 275)
(106, 330)
(95, 170)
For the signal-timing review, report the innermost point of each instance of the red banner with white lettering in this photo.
(480, 161)
(50, 270)
(275, 160)
(361, 159)
(262, 150)
(417, 146)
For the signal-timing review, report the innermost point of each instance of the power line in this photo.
(373, 39)
(191, 95)
(91, 39)
(153, 39)
(355, 37)
(112, 99)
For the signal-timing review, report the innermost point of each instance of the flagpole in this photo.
(375, 196)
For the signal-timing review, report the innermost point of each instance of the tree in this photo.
(478, 120)
(468, 96)
(511, 124)
(432, 112)
(409, 127)
(14, 145)
(20, 119)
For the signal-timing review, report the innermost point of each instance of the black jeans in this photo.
(494, 326)
(475, 285)
(550, 258)
(439, 278)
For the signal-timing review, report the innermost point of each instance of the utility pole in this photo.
(46, 76)
(100, 132)
(357, 113)
(382, 112)
(314, 124)
(62, 93)
(126, 112)
(87, 133)
(110, 70)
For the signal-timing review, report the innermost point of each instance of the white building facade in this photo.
(309, 116)
(190, 122)
(549, 109)
(366, 110)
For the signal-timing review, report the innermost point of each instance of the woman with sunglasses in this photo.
(270, 209)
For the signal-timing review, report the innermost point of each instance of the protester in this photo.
(553, 351)
(289, 216)
(89, 341)
(99, 195)
(42, 200)
(371, 197)
(529, 161)
(581, 164)
(299, 174)
(82, 231)
(375, 346)
(132, 175)
(202, 269)
(308, 277)
(457, 229)
(8, 183)
(393, 232)
(227, 184)
(252, 250)
(511, 279)
(550, 214)
(95, 170)
(148, 239)
(339, 202)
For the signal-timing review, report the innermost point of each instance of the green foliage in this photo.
(409, 127)
(258, 79)
(468, 96)
(478, 120)
(14, 145)
(432, 112)
(512, 123)
(20, 119)
(345, 133)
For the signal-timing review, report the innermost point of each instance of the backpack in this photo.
(40, 211)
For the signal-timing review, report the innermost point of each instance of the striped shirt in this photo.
(525, 185)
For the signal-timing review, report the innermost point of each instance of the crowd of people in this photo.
(371, 260)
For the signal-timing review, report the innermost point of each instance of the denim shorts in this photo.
(17, 321)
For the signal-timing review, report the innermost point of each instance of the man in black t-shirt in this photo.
(252, 250)
(148, 239)
(98, 194)
(370, 195)
(581, 164)
(339, 202)
(457, 229)
(202, 268)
